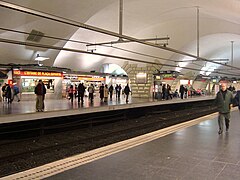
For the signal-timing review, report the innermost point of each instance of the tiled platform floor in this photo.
(25, 110)
(23, 107)
(197, 152)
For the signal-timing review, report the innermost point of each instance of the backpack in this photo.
(15, 89)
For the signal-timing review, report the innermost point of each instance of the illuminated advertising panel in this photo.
(37, 73)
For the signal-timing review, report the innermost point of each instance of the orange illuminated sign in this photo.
(36, 73)
(91, 78)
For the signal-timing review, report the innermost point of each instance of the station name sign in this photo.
(37, 73)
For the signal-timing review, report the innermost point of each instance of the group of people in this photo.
(104, 92)
(9, 92)
(165, 92)
(183, 91)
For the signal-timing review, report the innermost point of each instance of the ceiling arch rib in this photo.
(208, 8)
(97, 54)
(55, 18)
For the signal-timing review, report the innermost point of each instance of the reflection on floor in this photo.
(197, 152)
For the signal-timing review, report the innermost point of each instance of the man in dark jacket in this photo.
(40, 92)
(81, 91)
(224, 101)
(127, 91)
(111, 91)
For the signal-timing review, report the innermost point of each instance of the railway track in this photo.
(92, 136)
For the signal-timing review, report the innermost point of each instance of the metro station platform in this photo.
(190, 150)
(25, 110)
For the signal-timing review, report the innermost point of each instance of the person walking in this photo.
(126, 92)
(224, 102)
(40, 92)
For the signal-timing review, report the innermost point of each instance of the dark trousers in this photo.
(118, 94)
(71, 96)
(111, 93)
(221, 117)
(127, 97)
(91, 96)
(80, 97)
(182, 95)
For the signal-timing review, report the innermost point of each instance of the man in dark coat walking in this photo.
(224, 102)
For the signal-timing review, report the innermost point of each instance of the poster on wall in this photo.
(141, 78)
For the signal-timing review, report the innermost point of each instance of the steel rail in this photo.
(96, 29)
(118, 48)
(127, 41)
(87, 43)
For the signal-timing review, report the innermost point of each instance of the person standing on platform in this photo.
(110, 92)
(160, 92)
(101, 91)
(182, 90)
(164, 91)
(81, 91)
(70, 93)
(224, 102)
(16, 92)
(169, 91)
(40, 92)
(119, 91)
(8, 91)
(91, 91)
(105, 93)
(4, 92)
(116, 90)
(127, 91)
(237, 99)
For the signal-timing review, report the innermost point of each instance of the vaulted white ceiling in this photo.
(219, 24)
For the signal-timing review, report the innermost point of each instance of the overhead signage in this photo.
(169, 76)
(92, 78)
(202, 78)
(168, 72)
(37, 73)
(85, 78)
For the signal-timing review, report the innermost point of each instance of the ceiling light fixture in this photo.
(41, 58)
